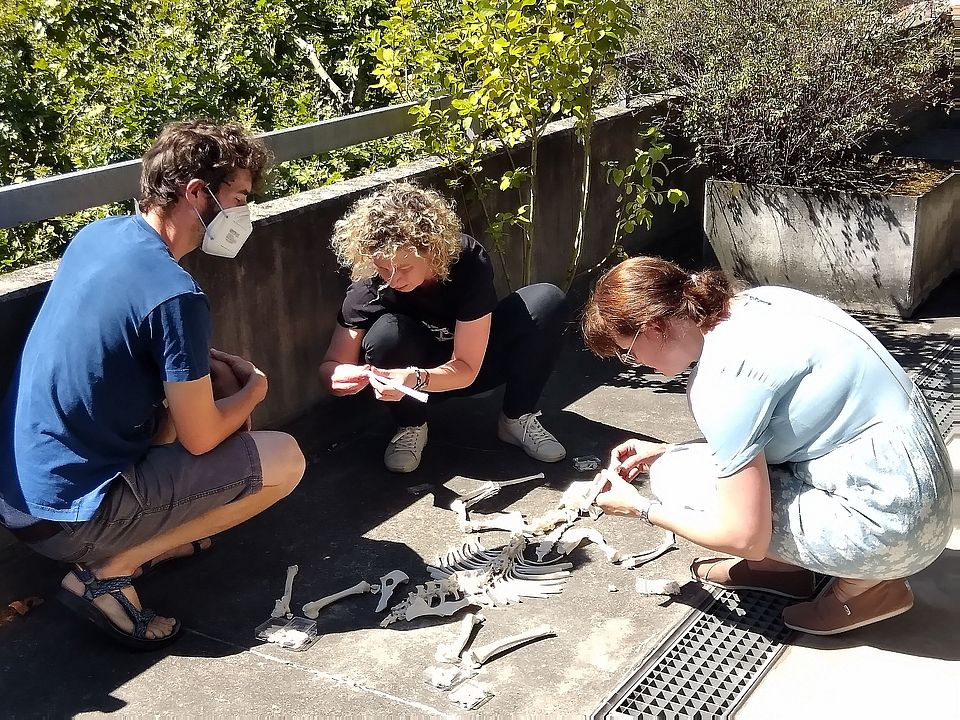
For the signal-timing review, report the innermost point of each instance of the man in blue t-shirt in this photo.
(124, 438)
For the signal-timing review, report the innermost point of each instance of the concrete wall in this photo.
(277, 302)
(879, 253)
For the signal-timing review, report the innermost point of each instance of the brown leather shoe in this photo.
(828, 616)
(735, 574)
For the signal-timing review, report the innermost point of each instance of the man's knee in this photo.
(281, 459)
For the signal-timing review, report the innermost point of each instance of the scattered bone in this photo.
(657, 587)
(462, 503)
(476, 658)
(572, 538)
(450, 652)
(282, 606)
(445, 677)
(312, 610)
(510, 521)
(505, 483)
(612, 588)
(637, 559)
(470, 695)
(387, 584)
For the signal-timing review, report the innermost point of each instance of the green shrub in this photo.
(790, 93)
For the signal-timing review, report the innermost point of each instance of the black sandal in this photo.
(84, 606)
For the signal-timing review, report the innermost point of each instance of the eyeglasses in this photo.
(625, 357)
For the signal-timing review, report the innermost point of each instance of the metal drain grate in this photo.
(706, 667)
(937, 381)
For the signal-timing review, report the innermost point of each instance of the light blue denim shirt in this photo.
(792, 375)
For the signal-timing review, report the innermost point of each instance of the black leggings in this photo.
(525, 336)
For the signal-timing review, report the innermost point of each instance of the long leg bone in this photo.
(637, 559)
(476, 658)
(312, 610)
(282, 606)
(505, 483)
(450, 652)
(387, 584)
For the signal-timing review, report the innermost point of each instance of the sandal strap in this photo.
(139, 617)
(95, 587)
(710, 562)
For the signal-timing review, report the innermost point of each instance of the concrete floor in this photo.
(350, 520)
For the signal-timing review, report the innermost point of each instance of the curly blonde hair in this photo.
(401, 216)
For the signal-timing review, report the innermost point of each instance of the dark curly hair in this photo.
(198, 149)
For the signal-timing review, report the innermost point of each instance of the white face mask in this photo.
(228, 231)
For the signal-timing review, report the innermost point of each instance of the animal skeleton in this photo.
(473, 575)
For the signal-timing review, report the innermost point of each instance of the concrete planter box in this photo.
(872, 252)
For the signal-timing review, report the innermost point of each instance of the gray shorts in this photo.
(166, 489)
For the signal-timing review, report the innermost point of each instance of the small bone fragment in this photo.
(486, 490)
(387, 584)
(509, 521)
(470, 696)
(574, 536)
(505, 483)
(448, 676)
(450, 652)
(312, 610)
(637, 559)
(612, 588)
(282, 606)
(657, 587)
(460, 505)
(476, 658)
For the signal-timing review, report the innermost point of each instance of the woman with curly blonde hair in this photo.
(820, 454)
(422, 311)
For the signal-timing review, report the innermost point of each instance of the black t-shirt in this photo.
(467, 294)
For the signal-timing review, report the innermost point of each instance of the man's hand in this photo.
(245, 372)
(384, 392)
(619, 497)
(349, 379)
(633, 457)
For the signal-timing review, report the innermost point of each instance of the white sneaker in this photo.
(527, 432)
(404, 450)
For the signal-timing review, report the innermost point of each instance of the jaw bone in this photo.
(312, 610)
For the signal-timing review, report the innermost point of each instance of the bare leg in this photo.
(283, 466)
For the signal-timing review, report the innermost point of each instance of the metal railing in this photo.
(64, 194)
